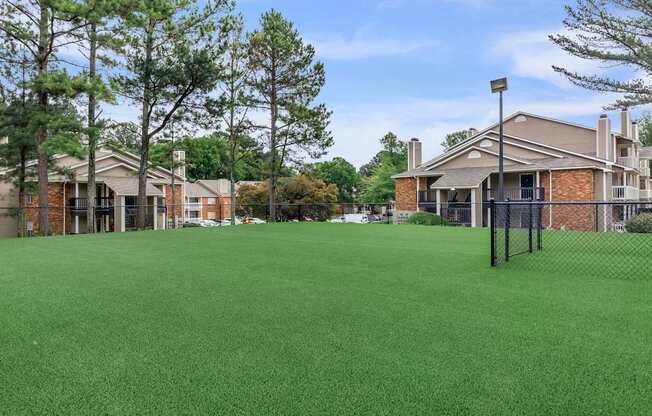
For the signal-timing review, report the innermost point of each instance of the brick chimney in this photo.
(414, 153)
(180, 156)
(604, 140)
(625, 123)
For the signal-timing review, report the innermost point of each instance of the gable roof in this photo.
(198, 190)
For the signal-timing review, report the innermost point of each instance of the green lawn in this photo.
(309, 319)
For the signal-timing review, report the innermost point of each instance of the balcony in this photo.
(518, 194)
(193, 206)
(79, 206)
(645, 194)
(644, 169)
(624, 193)
(629, 161)
(428, 196)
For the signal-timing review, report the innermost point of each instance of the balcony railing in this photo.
(628, 161)
(645, 194)
(79, 206)
(193, 206)
(518, 194)
(457, 214)
(624, 193)
(428, 196)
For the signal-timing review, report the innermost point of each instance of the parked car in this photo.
(253, 220)
(198, 222)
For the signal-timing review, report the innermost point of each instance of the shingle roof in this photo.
(646, 152)
(462, 178)
(197, 190)
(129, 186)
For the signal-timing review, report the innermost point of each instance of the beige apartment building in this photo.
(117, 188)
(545, 159)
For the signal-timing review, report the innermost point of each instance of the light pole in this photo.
(498, 86)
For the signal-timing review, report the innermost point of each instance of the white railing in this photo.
(630, 162)
(623, 193)
(645, 194)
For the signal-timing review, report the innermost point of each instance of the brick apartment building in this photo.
(545, 159)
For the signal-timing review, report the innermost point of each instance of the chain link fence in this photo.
(109, 217)
(609, 239)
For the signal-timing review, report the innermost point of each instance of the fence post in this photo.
(596, 218)
(539, 225)
(507, 225)
(529, 231)
(492, 230)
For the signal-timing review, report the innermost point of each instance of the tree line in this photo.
(185, 65)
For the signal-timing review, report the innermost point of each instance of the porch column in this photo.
(76, 216)
(155, 214)
(439, 202)
(120, 218)
(473, 208)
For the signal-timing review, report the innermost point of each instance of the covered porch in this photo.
(461, 196)
(116, 206)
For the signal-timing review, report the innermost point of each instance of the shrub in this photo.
(425, 218)
(642, 223)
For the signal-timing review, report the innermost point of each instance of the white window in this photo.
(212, 201)
(211, 215)
(193, 200)
(520, 119)
(486, 143)
(193, 215)
(474, 155)
(29, 228)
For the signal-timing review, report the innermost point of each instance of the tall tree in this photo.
(16, 125)
(235, 101)
(455, 137)
(338, 172)
(393, 150)
(171, 65)
(286, 80)
(43, 28)
(97, 38)
(645, 129)
(613, 32)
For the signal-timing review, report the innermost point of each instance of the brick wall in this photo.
(405, 192)
(56, 206)
(569, 185)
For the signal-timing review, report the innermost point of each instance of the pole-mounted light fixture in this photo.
(498, 86)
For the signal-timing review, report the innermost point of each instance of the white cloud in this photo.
(365, 43)
(531, 54)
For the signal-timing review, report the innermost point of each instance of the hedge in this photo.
(642, 223)
(425, 218)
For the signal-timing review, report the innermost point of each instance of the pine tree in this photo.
(43, 28)
(286, 80)
(170, 59)
(613, 32)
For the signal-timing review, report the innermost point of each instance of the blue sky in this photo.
(421, 68)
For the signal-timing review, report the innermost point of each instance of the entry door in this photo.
(527, 186)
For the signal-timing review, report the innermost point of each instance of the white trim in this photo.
(528, 148)
(418, 193)
(117, 165)
(439, 202)
(454, 156)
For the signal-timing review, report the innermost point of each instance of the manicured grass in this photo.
(313, 319)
